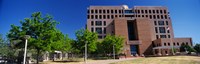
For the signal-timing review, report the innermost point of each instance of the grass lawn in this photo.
(164, 60)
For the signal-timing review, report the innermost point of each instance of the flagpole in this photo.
(172, 45)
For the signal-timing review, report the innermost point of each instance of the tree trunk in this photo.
(38, 51)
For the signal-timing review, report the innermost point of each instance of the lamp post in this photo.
(85, 58)
(26, 37)
(114, 51)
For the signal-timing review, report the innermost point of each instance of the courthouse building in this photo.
(146, 29)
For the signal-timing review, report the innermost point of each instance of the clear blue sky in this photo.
(71, 14)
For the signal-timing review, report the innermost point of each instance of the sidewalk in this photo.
(109, 61)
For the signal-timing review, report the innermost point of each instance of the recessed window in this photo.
(162, 36)
(146, 15)
(108, 11)
(174, 44)
(108, 16)
(165, 52)
(162, 29)
(92, 11)
(161, 16)
(115, 11)
(100, 17)
(142, 11)
(165, 44)
(111, 11)
(165, 11)
(169, 36)
(157, 11)
(112, 16)
(96, 11)
(155, 23)
(92, 23)
(116, 16)
(100, 37)
(157, 36)
(150, 16)
(177, 43)
(92, 29)
(167, 23)
(99, 30)
(100, 11)
(104, 11)
(158, 16)
(165, 16)
(119, 11)
(150, 11)
(92, 16)
(168, 44)
(98, 23)
(104, 16)
(146, 11)
(104, 30)
(96, 16)
(161, 11)
(138, 11)
(153, 11)
(161, 23)
(104, 23)
(156, 29)
(154, 16)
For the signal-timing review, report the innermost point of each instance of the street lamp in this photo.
(114, 51)
(26, 37)
(85, 52)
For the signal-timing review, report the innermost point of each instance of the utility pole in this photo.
(26, 37)
(114, 51)
(85, 58)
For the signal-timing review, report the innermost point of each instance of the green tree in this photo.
(110, 41)
(42, 31)
(197, 48)
(188, 48)
(84, 36)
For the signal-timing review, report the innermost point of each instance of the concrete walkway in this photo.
(109, 61)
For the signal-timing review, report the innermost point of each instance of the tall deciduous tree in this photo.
(42, 31)
(110, 41)
(85, 36)
(197, 48)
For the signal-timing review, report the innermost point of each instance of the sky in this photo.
(71, 14)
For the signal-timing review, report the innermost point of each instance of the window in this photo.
(108, 16)
(104, 30)
(154, 16)
(150, 11)
(156, 29)
(92, 23)
(161, 11)
(142, 11)
(138, 11)
(169, 36)
(92, 11)
(119, 11)
(104, 23)
(108, 11)
(165, 44)
(88, 16)
(98, 23)
(162, 36)
(104, 16)
(92, 16)
(104, 11)
(174, 44)
(157, 11)
(146, 11)
(115, 11)
(100, 11)
(158, 16)
(186, 43)
(177, 43)
(157, 36)
(165, 16)
(111, 11)
(150, 16)
(165, 11)
(142, 15)
(92, 29)
(116, 16)
(161, 23)
(138, 15)
(96, 16)
(96, 11)
(166, 22)
(112, 16)
(88, 11)
(168, 31)
(153, 11)
(100, 17)
(155, 23)
(162, 30)
(161, 16)
(100, 37)
(99, 30)
(168, 44)
(165, 52)
(146, 15)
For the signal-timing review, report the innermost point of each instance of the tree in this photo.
(110, 41)
(42, 31)
(197, 48)
(188, 48)
(83, 36)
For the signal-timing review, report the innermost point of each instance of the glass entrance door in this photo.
(134, 49)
